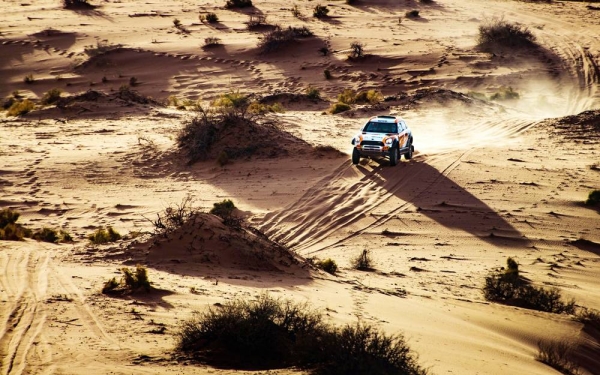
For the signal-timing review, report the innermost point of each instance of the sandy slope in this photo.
(488, 180)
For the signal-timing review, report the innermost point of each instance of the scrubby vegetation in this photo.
(211, 18)
(593, 198)
(363, 262)
(412, 13)
(29, 79)
(313, 93)
(274, 333)
(51, 235)
(77, 4)
(349, 96)
(9, 229)
(357, 50)
(507, 286)
(559, 355)
(280, 37)
(51, 96)
(225, 210)
(174, 216)
(320, 11)
(339, 108)
(257, 21)
(296, 11)
(131, 281)
(505, 93)
(20, 107)
(498, 32)
(104, 235)
(212, 41)
(328, 265)
(238, 3)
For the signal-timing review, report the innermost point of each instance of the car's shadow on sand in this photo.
(437, 196)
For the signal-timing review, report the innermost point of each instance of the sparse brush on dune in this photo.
(280, 37)
(131, 281)
(497, 32)
(51, 96)
(238, 3)
(559, 354)
(271, 333)
(593, 198)
(320, 11)
(510, 288)
(363, 262)
(104, 235)
(10, 230)
(77, 4)
(328, 265)
(19, 108)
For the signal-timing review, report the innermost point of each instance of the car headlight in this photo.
(389, 141)
(357, 140)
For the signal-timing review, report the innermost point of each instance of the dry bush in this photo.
(593, 198)
(272, 333)
(29, 79)
(211, 18)
(313, 93)
(505, 93)
(328, 265)
(212, 41)
(19, 108)
(104, 235)
(238, 3)
(256, 21)
(339, 108)
(175, 216)
(412, 14)
(10, 230)
(498, 32)
(357, 50)
(559, 355)
(296, 11)
(101, 48)
(363, 262)
(509, 288)
(279, 37)
(77, 4)
(51, 96)
(320, 11)
(132, 281)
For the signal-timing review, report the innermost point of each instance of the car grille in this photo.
(371, 143)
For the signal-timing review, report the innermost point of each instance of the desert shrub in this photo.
(369, 96)
(104, 235)
(8, 102)
(339, 108)
(100, 48)
(223, 158)
(328, 265)
(266, 333)
(175, 216)
(412, 14)
(593, 198)
(177, 23)
(363, 349)
(212, 41)
(29, 79)
(509, 288)
(320, 11)
(256, 21)
(131, 281)
(296, 11)
(238, 3)
(20, 108)
(65, 236)
(211, 18)
(46, 235)
(51, 96)
(8, 216)
(357, 50)
(588, 317)
(324, 51)
(559, 355)
(259, 108)
(279, 37)
(327, 74)
(313, 93)
(363, 261)
(505, 93)
(10, 230)
(476, 95)
(223, 209)
(71, 4)
(348, 96)
(133, 81)
(498, 32)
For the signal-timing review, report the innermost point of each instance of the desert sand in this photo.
(489, 179)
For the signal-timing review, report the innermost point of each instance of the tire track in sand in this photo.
(28, 280)
(345, 196)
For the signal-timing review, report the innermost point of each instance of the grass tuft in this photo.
(104, 235)
(132, 281)
(559, 355)
(320, 11)
(19, 108)
(339, 108)
(363, 262)
(51, 96)
(328, 265)
(10, 230)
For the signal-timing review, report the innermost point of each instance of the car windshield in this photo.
(380, 127)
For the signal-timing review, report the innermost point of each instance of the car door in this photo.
(402, 135)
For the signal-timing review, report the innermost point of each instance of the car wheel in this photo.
(393, 156)
(355, 156)
(411, 149)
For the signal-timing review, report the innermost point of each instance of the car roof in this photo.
(386, 119)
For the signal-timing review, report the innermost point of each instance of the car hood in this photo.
(373, 136)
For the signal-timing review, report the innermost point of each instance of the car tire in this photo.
(355, 156)
(411, 149)
(393, 156)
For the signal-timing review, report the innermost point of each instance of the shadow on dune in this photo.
(350, 194)
(438, 197)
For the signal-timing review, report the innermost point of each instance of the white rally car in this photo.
(383, 136)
